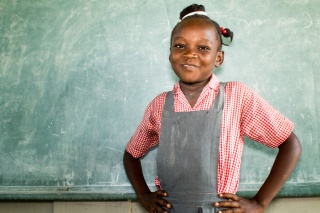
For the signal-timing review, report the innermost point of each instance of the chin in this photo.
(189, 81)
(194, 80)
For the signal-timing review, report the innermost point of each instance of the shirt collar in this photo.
(212, 84)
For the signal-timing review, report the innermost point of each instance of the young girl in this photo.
(200, 128)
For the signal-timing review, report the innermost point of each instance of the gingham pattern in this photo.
(245, 113)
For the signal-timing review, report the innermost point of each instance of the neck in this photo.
(188, 93)
(194, 88)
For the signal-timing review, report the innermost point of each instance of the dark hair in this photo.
(227, 33)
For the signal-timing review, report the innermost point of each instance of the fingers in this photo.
(155, 202)
(229, 196)
(231, 203)
(163, 202)
(158, 207)
(162, 193)
(235, 204)
(160, 202)
(230, 211)
(227, 204)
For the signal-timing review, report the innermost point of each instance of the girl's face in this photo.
(195, 51)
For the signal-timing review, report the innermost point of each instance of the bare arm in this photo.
(287, 158)
(151, 201)
(135, 175)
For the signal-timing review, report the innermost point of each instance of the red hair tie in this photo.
(224, 31)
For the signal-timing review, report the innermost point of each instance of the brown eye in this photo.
(180, 46)
(204, 48)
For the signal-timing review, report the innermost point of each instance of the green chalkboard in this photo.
(76, 76)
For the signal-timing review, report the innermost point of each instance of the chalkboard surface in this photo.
(76, 77)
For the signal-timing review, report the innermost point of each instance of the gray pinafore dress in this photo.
(187, 158)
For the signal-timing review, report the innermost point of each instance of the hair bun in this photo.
(190, 9)
(227, 33)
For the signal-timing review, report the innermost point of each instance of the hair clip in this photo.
(224, 31)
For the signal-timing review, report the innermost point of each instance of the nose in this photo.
(189, 53)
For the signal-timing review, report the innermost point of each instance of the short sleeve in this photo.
(261, 122)
(148, 132)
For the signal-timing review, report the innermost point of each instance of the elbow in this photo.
(297, 148)
(126, 157)
(292, 145)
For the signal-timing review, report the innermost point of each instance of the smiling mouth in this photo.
(190, 66)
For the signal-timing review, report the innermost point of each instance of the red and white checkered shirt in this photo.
(244, 113)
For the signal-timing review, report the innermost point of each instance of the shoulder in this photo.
(158, 102)
(237, 89)
(237, 86)
(159, 99)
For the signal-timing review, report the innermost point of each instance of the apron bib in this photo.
(187, 159)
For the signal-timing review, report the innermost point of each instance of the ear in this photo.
(219, 58)
(170, 55)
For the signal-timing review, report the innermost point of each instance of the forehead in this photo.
(200, 28)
